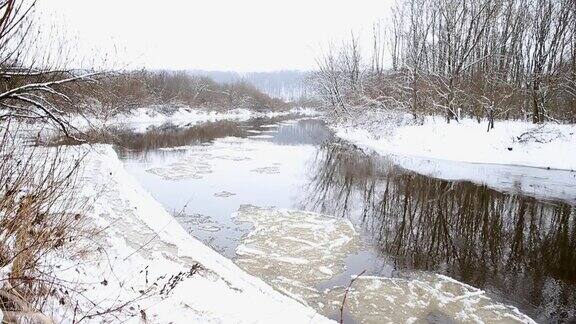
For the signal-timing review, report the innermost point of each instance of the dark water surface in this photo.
(508, 230)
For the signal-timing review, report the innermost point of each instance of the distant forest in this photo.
(285, 85)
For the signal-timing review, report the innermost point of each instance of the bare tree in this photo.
(484, 59)
(31, 89)
(548, 44)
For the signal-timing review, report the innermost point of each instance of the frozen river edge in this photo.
(145, 247)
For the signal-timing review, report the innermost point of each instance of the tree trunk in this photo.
(536, 116)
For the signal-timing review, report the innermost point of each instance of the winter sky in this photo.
(248, 35)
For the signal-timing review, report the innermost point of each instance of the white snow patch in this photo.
(510, 142)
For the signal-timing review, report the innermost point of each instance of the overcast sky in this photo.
(239, 35)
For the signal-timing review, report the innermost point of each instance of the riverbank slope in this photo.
(509, 142)
(147, 267)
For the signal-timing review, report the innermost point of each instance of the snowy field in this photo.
(510, 142)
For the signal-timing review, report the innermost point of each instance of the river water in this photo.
(435, 241)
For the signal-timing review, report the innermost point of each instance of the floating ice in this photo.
(263, 136)
(224, 194)
(232, 157)
(418, 298)
(198, 222)
(190, 167)
(297, 251)
(267, 170)
(198, 162)
(294, 250)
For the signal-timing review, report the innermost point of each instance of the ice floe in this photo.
(297, 251)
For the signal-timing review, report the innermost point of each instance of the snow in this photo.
(550, 146)
(140, 119)
(143, 248)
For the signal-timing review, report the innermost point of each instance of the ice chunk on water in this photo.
(267, 170)
(192, 222)
(190, 167)
(419, 297)
(198, 162)
(295, 251)
(224, 194)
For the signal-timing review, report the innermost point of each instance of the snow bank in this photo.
(510, 142)
(141, 118)
(144, 254)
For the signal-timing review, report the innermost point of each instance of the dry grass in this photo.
(40, 220)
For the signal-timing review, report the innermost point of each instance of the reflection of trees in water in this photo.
(169, 135)
(305, 131)
(523, 247)
(339, 174)
(174, 136)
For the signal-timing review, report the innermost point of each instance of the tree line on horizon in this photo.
(123, 91)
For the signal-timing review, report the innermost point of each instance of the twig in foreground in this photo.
(346, 295)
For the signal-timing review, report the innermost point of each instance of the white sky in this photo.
(239, 35)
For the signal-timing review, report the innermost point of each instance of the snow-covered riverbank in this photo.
(140, 119)
(146, 257)
(147, 262)
(510, 142)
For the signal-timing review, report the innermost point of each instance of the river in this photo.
(306, 212)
